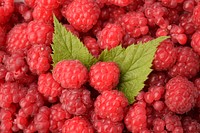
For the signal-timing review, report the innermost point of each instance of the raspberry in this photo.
(53, 4)
(144, 39)
(180, 95)
(39, 59)
(187, 63)
(6, 10)
(158, 125)
(104, 76)
(92, 45)
(111, 105)
(190, 125)
(83, 125)
(195, 42)
(76, 101)
(17, 38)
(120, 3)
(39, 32)
(3, 71)
(158, 105)
(197, 84)
(6, 120)
(165, 56)
(135, 119)
(2, 37)
(110, 36)
(172, 122)
(187, 23)
(157, 79)
(171, 3)
(134, 24)
(70, 74)
(30, 3)
(71, 29)
(11, 93)
(48, 86)
(82, 14)
(196, 15)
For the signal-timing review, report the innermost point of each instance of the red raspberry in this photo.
(187, 23)
(11, 93)
(134, 24)
(39, 59)
(195, 42)
(71, 29)
(197, 84)
(41, 119)
(2, 37)
(171, 3)
(17, 38)
(190, 125)
(92, 45)
(110, 36)
(70, 74)
(53, 4)
(187, 63)
(120, 3)
(30, 3)
(57, 118)
(157, 79)
(3, 71)
(48, 86)
(196, 15)
(82, 14)
(30, 128)
(104, 76)
(136, 118)
(144, 39)
(180, 95)
(6, 10)
(76, 101)
(39, 32)
(172, 121)
(165, 56)
(111, 105)
(158, 125)
(83, 126)
(6, 121)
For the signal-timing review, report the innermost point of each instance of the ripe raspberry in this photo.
(76, 101)
(187, 63)
(196, 15)
(17, 38)
(172, 121)
(134, 24)
(71, 29)
(2, 37)
(180, 95)
(83, 126)
(30, 3)
(53, 4)
(3, 71)
(39, 59)
(157, 79)
(171, 3)
(111, 105)
(92, 45)
(11, 93)
(165, 56)
(82, 14)
(197, 84)
(6, 10)
(158, 125)
(6, 120)
(190, 125)
(70, 74)
(48, 86)
(136, 118)
(104, 76)
(30, 128)
(186, 22)
(195, 42)
(39, 32)
(110, 36)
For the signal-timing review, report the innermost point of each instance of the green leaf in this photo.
(66, 46)
(135, 65)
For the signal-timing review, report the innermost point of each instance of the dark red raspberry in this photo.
(158, 125)
(195, 42)
(83, 125)
(187, 63)
(39, 58)
(158, 105)
(144, 39)
(190, 125)
(6, 10)
(110, 36)
(30, 3)
(105, 125)
(111, 105)
(2, 37)
(157, 79)
(136, 118)
(11, 93)
(165, 56)
(3, 71)
(30, 128)
(134, 24)
(57, 118)
(39, 32)
(53, 4)
(41, 119)
(121, 3)
(197, 84)
(172, 121)
(71, 29)
(187, 23)
(171, 3)
(196, 15)
(82, 14)
(92, 45)
(180, 95)
(76, 101)
(48, 86)
(17, 38)
(70, 74)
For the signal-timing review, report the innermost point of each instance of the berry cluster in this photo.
(68, 97)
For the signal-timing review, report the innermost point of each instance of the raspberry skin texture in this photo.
(30, 3)
(111, 105)
(17, 38)
(70, 74)
(165, 56)
(48, 86)
(136, 117)
(190, 125)
(197, 84)
(187, 63)
(196, 15)
(76, 101)
(104, 76)
(2, 36)
(39, 58)
(195, 42)
(120, 3)
(39, 32)
(53, 4)
(71, 29)
(6, 10)
(181, 95)
(82, 14)
(83, 125)
(110, 36)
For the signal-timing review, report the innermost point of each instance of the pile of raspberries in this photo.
(69, 98)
